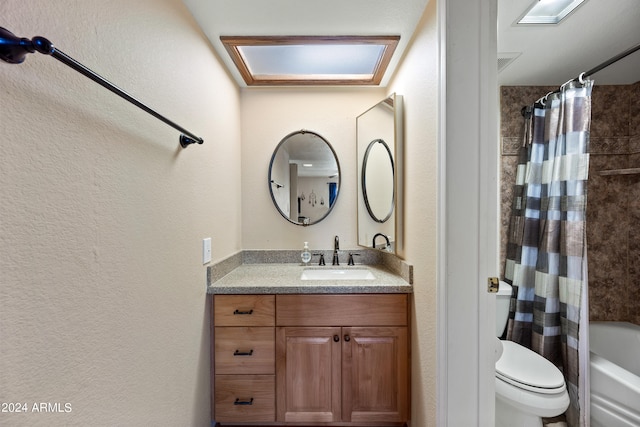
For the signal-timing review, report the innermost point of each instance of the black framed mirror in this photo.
(304, 177)
(377, 180)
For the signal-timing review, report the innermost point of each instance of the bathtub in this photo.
(615, 374)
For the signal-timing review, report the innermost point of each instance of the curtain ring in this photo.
(543, 100)
(566, 83)
(581, 78)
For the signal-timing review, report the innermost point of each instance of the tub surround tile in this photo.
(507, 180)
(516, 97)
(609, 145)
(634, 110)
(604, 302)
(610, 111)
(633, 307)
(634, 192)
(609, 223)
(511, 145)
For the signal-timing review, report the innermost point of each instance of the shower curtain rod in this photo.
(613, 60)
(591, 72)
(14, 50)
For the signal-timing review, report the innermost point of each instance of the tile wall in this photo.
(613, 207)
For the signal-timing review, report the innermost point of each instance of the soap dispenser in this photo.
(305, 255)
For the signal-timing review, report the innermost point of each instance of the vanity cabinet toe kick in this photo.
(296, 360)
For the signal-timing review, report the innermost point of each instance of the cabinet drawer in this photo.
(245, 398)
(337, 310)
(244, 350)
(244, 310)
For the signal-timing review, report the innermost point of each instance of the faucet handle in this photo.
(321, 261)
(351, 255)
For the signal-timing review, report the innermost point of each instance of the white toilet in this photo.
(528, 386)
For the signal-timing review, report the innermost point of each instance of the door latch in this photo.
(493, 284)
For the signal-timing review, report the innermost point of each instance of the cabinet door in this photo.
(375, 380)
(308, 374)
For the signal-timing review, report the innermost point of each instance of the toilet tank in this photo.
(503, 299)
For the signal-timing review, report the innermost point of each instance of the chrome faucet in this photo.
(336, 246)
(373, 244)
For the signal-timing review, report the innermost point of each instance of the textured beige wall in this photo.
(268, 115)
(418, 81)
(102, 288)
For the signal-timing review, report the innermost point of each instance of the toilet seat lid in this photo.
(528, 370)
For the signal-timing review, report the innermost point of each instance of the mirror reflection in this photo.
(377, 180)
(379, 156)
(304, 177)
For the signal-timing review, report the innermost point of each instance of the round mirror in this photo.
(377, 180)
(304, 177)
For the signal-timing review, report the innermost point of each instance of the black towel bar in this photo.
(14, 50)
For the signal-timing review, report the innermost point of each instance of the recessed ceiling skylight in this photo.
(309, 60)
(549, 11)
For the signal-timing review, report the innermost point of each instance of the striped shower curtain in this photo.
(546, 250)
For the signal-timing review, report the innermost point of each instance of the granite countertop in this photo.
(284, 278)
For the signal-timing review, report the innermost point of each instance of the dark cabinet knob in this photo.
(347, 338)
(336, 338)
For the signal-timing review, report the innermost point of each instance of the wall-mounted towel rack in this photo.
(14, 49)
(625, 171)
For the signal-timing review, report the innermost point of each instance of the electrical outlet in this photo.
(206, 250)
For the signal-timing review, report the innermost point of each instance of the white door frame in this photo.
(468, 211)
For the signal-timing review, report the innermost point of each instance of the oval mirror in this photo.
(377, 180)
(304, 177)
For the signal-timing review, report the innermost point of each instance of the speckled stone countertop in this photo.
(263, 272)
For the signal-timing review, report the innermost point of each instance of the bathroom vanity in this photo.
(291, 353)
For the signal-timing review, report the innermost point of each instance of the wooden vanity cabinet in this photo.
(342, 358)
(338, 360)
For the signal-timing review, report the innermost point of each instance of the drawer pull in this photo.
(243, 312)
(243, 353)
(243, 402)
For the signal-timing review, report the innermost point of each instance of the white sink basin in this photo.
(337, 274)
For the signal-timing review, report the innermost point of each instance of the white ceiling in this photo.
(307, 17)
(552, 54)
(547, 55)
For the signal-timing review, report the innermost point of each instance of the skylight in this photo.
(549, 11)
(311, 60)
